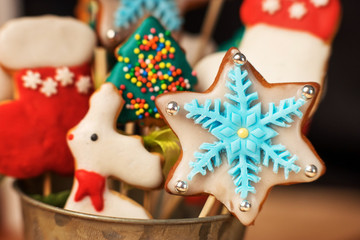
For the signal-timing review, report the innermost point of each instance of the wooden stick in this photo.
(170, 203)
(224, 211)
(207, 206)
(100, 66)
(211, 17)
(47, 184)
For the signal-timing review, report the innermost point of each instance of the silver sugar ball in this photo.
(111, 34)
(245, 206)
(172, 108)
(239, 58)
(308, 92)
(311, 171)
(181, 187)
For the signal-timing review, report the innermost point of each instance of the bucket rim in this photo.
(46, 207)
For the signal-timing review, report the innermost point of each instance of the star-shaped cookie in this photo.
(241, 137)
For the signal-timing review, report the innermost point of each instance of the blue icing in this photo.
(130, 11)
(246, 151)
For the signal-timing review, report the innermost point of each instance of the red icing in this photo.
(33, 127)
(320, 21)
(90, 184)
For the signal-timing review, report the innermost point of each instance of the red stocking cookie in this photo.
(287, 41)
(49, 61)
(241, 137)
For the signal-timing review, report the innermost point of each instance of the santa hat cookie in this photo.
(100, 152)
(248, 137)
(287, 41)
(48, 58)
(150, 63)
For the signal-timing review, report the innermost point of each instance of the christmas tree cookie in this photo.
(100, 152)
(150, 63)
(241, 137)
(48, 59)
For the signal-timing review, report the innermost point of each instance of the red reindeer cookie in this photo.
(241, 137)
(49, 60)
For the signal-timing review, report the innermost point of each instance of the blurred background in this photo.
(335, 130)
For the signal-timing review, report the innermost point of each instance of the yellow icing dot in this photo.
(167, 43)
(139, 84)
(120, 58)
(137, 37)
(136, 51)
(151, 57)
(162, 65)
(162, 40)
(150, 73)
(141, 56)
(150, 66)
(153, 81)
(163, 86)
(168, 65)
(157, 115)
(171, 79)
(133, 80)
(127, 76)
(137, 113)
(166, 76)
(126, 60)
(164, 51)
(136, 106)
(141, 111)
(172, 50)
(144, 41)
(146, 106)
(243, 133)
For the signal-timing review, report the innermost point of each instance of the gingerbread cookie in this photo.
(53, 83)
(100, 152)
(150, 63)
(287, 41)
(241, 137)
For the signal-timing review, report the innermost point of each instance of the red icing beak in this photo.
(70, 136)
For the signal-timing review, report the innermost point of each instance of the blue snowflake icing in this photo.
(130, 11)
(243, 133)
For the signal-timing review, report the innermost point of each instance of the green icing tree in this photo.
(149, 63)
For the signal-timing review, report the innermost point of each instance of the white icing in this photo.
(83, 85)
(64, 76)
(297, 10)
(49, 87)
(271, 6)
(113, 154)
(285, 56)
(31, 79)
(31, 42)
(320, 3)
(115, 205)
(219, 183)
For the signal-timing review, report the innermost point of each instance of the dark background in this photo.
(335, 130)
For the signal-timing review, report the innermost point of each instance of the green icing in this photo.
(142, 73)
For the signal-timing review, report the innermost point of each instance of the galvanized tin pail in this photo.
(43, 221)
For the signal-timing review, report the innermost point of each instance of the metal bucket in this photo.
(43, 221)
